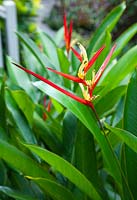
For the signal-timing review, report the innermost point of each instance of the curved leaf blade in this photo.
(21, 161)
(123, 39)
(65, 168)
(108, 23)
(86, 116)
(130, 124)
(125, 136)
(15, 194)
(55, 190)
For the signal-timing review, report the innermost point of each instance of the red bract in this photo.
(67, 33)
(77, 54)
(83, 101)
(93, 59)
(102, 68)
(68, 76)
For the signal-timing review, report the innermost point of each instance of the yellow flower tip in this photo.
(94, 97)
(83, 51)
(73, 42)
(85, 92)
(81, 75)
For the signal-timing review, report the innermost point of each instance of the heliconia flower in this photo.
(77, 98)
(85, 64)
(67, 32)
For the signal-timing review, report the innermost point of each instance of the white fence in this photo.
(8, 13)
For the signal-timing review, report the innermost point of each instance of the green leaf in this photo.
(50, 48)
(69, 133)
(130, 124)
(126, 137)
(85, 158)
(120, 70)
(85, 154)
(108, 23)
(43, 131)
(108, 101)
(55, 190)
(104, 39)
(19, 119)
(17, 77)
(64, 65)
(30, 61)
(15, 194)
(25, 104)
(130, 113)
(66, 169)
(123, 39)
(2, 107)
(20, 161)
(86, 116)
(59, 36)
(43, 60)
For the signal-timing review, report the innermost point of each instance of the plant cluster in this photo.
(73, 134)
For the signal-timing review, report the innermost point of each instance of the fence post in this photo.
(11, 27)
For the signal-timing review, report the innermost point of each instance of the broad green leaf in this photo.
(20, 79)
(120, 70)
(86, 116)
(63, 61)
(2, 107)
(85, 154)
(15, 194)
(130, 124)
(126, 137)
(108, 23)
(75, 63)
(49, 47)
(64, 65)
(104, 39)
(30, 61)
(59, 36)
(85, 158)
(117, 117)
(19, 119)
(25, 104)
(20, 161)
(55, 190)
(3, 173)
(108, 101)
(43, 131)
(68, 134)
(123, 39)
(130, 113)
(25, 186)
(43, 60)
(59, 108)
(66, 169)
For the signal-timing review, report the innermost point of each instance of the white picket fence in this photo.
(8, 13)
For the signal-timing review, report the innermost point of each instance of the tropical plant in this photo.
(57, 142)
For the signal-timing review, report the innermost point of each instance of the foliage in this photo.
(57, 150)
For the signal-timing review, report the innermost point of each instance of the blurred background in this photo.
(86, 15)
